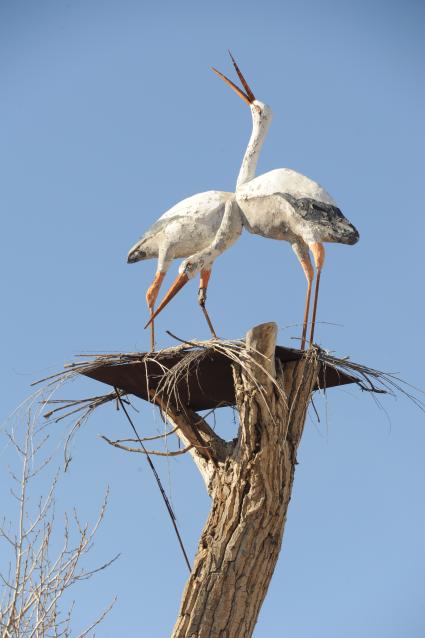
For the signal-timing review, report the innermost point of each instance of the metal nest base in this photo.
(206, 381)
(196, 375)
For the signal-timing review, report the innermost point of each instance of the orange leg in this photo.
(309, 273)
(303, 256)
(318, 251)
(151, 296)
(202, 297)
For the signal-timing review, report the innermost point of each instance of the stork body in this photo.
(284, 204)
(185, 228)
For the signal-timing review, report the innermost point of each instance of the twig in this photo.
(188, 343)
(139, 450)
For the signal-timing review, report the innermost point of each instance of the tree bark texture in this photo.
(250, 482)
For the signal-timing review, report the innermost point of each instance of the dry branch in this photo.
(37, 578)
(140, 450)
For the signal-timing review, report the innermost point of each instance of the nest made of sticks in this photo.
(191, 355)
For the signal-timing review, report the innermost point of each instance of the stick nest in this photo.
(192, 352)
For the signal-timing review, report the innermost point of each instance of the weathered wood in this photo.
(261, 345)
(250, 487)
(207, 448)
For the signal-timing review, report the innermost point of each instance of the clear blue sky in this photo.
(109, 115)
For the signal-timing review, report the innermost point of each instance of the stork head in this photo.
(261, 113)
(188, 269)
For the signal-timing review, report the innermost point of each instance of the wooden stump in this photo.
(250, 483)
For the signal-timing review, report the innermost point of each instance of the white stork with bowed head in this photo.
(210, 222)
(284, 204)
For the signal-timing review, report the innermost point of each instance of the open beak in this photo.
(248, 96)
(176, 286)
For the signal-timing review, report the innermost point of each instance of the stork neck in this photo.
(252, 153)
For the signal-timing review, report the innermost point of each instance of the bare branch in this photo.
(195, 430)
(149, 438)
(99, 620)
(37, 578)
(140, 450)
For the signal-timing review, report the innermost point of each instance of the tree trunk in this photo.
(250, 482)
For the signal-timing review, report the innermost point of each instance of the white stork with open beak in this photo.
(284, 204)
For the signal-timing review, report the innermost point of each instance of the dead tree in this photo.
(250, 482)
(249, 478)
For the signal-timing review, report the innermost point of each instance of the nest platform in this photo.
(204, 382)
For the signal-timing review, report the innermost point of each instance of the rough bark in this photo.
(250, 482)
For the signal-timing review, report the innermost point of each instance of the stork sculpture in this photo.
(209, 222)
(281, 204)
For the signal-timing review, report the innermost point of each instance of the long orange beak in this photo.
(245, 84)
(247, 97)
(176, 286)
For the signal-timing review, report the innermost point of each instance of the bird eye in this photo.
(188, 267)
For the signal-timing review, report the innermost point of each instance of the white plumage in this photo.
(187, 227)
(284, 204)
